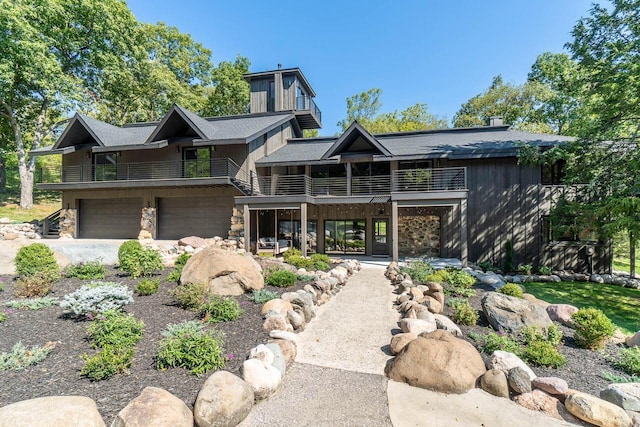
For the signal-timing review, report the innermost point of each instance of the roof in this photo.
(296, 71)
(457, 143)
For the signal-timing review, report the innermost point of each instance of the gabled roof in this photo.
(176, 122)
(85, 130)
(355, 135)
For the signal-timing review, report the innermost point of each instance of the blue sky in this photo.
(436, 52)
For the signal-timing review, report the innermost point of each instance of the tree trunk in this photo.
(3, 174)
(26, 186)
(632, 254)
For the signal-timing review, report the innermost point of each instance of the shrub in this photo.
(508, 256)
(289, 253)
(545, 270)
(36, 285)
(3, 316)
(219, 309)
(147, 286)
(37, 258)
(459, 278)
(91, 270)
(439, 276)
(137, 260)
(613, 378)
(281, 278)
(88, 301)
(463, 313)
(487, 266)
(107, 362)
(543, 353)
(629, 360)
(22, 357)
(305, 277)
(1, 286)
(262, 296)
(188, 345)
(178, 265)
(115, 329)
(301, 262)
(592, 327)
(33, 303)
(320, 265)
(497, 341)
(189, 295)
(321, 258)
(512, 289)
(525, 269)
(552, 334)
(419, 271)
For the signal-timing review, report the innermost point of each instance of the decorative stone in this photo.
(52, 411)
(399, 341)
(154, 407)
(279, 361)
(634, 340)
(625, 395)
(295, 319)
(263, 377)
(278, 305)
(417, 326)
(505, 361)
(561, 312)
(552, 385)
(193, 241)
(494, 382)
(438, 361)
(224, 401)
(261, 352)
(288, 348)
(276, 322)
(432, 304)
(537, 400)
(519, 380)
(511, 314)
(446, 324)
(596, 411)
(284, 335)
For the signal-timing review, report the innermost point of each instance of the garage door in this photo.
(194, 216)
(110, 218)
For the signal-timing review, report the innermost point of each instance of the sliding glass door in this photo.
(343, 237)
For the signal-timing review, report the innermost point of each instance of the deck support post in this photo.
(394, 230)
(303, 228)
(463, 232)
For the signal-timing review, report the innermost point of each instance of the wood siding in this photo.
(193, 216)
(258, 96)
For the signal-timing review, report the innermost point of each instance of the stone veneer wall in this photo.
(68, 221)
(419, 235)
(236, 230)
(148, 223)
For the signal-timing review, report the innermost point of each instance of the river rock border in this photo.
(11, 231)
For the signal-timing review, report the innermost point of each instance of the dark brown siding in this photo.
(194, 216)
(110, 218)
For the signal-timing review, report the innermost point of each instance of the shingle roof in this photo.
(452, 143)
(244, 127)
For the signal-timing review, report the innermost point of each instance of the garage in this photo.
(110, 218)
(194, 216)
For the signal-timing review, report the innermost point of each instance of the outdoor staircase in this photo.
(242, 186)
(51, 226)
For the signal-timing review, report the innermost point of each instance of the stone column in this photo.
(148, 224)
(236, 230)
(68, 223)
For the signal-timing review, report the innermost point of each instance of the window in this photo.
(197, 162)
(105, 166)
(271, 97)
(552, 174)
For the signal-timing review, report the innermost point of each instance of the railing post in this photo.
(251, 181)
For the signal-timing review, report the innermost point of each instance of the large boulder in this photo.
(154, 407)
(224, 401)
(225, 272)
(537, 400)
(511, 314)
(625, 395)
(438, 361)
(561, 312)
(52, 411)
(596, 411)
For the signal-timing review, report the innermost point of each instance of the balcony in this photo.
(413, 180)
(307, 112)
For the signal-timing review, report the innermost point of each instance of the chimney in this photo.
(279, 66)
(496, 121)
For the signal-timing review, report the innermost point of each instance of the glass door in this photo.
(380, 236)
(345, 236)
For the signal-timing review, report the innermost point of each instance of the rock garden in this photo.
(463, 329)
(144, 344)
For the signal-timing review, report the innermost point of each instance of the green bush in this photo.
(543, 353)
(320, 265)
(137, 260)
(525, 269)
(463, 313)
(147, 286)
(89, 301)
(497, 341)
(1, 286)
(36, 285)
(459, 278)
(512, 289)
(3, 316)
(32, 303)
(592, 327)
(487, 266)
(262, 296)
(419, 271)
(188, 345)
(219, 309)
(508, 256)
(320, 258)
(289, 253)
(22, 357)
(281, 278)
(90, 270)
(107, 362)
(115, 329)
(37, 258)
(629, 360)
(301, 262)
(179, 264)
(189, 295)
(545, 270)
(551, 334)
(305, 277)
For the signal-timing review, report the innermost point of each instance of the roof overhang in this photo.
(47, 151)
(175, 110)
(148, 146)
(353, 132)
(295, 71)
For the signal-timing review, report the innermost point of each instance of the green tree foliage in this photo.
(364, 108)
(230, 92)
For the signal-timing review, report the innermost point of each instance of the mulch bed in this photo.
(584, 368)
(59, 373)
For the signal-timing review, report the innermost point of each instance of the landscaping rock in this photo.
(263, 377)
(618, 337)
(278, 305)
(297, 322)
(634, 340)
(279, 361)
(505, 361)
(224, 401)
(495, 382)
(511, 314)
(519, 380)
(52, 411)
(226, 272)
(625, 395)
(399, 341)
(277, 322)
(193, 241)
(288, 348)
(534, 300)
(552, 385)
(154, 407)
(417, 326)
(432, 304)
(537, 400)
(261, 352)
(446, 324)
(438, 361)
(284, 335)
(561, 312)
(596, 411)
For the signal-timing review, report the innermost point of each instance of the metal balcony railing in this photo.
(307, 103)
(442, 179)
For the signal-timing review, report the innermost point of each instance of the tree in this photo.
(230, 92)
(516, 104)
(364, 108)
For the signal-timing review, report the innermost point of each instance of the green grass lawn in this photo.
(623, 264)
(621, 305)
(44, 205)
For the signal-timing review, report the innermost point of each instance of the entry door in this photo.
(380, 236)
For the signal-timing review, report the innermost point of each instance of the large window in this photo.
(197, 162)
(552, 174)
(345, 236)
(105, 166)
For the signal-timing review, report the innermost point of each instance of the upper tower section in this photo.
(285, 90)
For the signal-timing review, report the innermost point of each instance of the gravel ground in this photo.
(59, 373)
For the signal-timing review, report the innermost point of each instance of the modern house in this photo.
(445, 193)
